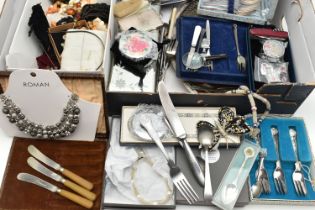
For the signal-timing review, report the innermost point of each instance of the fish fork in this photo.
(297, 176)
(262, 175)
(179, 179)
(278, 174)
(241, 61)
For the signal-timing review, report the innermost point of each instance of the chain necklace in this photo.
(65, 127)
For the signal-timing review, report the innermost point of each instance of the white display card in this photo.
(42, 96)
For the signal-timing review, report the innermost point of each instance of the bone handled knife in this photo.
(74, 177)
(36, 165)
(46, 185)
(194, 42)
(179, 131)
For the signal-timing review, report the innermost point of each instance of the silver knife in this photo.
(194, 42)
(46, 185)
(74, 177)
(47, 172)
(179, 131)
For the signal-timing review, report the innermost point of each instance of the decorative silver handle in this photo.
(147, 125)
(236, 38)
(275, 136)
(292, 132)
(193, 162)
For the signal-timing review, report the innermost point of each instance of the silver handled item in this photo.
(278, 174)
(179, 179)
(206, 138)
(194, 42)
(179, 131)
(297, 175)
(241, 61)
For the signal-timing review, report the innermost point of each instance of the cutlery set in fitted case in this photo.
(287, 162)
(228, 48)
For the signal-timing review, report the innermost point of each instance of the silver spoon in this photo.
(205, 138)
(230, 191)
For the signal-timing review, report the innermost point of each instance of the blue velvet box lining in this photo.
(222, 41)
(286, 155)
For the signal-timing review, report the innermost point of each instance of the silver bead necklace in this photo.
(65, 127)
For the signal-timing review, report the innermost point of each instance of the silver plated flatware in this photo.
(46, 185)
(278, 174)
(179, 131)
(179, 179)
(297, 175)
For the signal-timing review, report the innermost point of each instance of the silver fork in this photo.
(179, 179)
(297, 176)
(241, 61)
(278, 174)
(262, 175)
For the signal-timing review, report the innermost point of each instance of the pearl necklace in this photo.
(141, 199)
(65, 127)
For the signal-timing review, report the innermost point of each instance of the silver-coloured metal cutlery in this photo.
(205, 44)
(205, 138)
(262, 175)
(179, 179)
(194, 42)
(297, 175)
(42, 183)
(241, 61)
(179, 131)
(51, 163)
(36, 165)
(278, 174)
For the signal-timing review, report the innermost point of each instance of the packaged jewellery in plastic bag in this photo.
(270, 65)
(156, 114)
(236, 175)
(268, 72)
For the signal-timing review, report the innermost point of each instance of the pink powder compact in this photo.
(137, 45)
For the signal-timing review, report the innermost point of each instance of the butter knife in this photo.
(47, 172)
(179, 131)
(74, 177)
(194, 42)
(46, 185)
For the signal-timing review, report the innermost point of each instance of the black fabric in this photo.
(136, 68)
(39, 25)
(63, 1)
(65, 20)
(91, 11)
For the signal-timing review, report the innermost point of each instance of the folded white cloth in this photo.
(118, 189)
(83, 51)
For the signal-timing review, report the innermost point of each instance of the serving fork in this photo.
(241, 61)
(278, 174)
(297, 176)
(178, 178)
